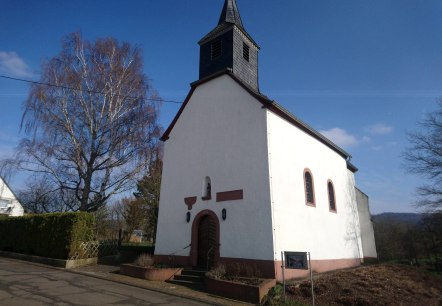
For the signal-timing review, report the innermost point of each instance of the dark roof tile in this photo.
(230, 14)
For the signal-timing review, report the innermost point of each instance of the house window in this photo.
(331, 196)
(216, 49)
(309, 188)
(207, 189)
(245, 51)
(4, 203)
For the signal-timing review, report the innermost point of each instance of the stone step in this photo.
(193, 273)
(199, 268)
(190, 278)
(189, 284)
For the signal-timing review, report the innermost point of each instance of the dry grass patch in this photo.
(383, 284)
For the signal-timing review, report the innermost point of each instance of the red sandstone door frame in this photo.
(194, 241)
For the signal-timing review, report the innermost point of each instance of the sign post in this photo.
(283, 276)
(311, 279)
(299, 261)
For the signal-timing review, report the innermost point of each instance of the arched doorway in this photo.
(205, 239)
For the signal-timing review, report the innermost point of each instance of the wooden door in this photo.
(206, 241)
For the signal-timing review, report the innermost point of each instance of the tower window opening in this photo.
(246, 51)
(216, 48)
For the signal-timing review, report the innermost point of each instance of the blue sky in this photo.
(361, 72)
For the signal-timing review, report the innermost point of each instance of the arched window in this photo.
(309, 188)
(331, 196)
(207, 189)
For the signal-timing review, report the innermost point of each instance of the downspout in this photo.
(272, 204)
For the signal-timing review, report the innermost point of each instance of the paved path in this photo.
(23, 283)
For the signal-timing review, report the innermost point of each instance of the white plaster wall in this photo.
(7, 194)
(221, 134)
(299, 227)
(367, 232)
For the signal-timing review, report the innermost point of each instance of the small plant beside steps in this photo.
(144, 267)
(239, 282)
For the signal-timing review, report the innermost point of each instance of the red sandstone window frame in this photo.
(307, 202)
(330, 183)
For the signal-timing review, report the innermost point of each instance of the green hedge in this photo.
(54, 235)
(138, 249)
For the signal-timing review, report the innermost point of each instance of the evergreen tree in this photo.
(148, 191)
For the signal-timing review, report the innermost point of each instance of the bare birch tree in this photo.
(424, 158)
(91, 131)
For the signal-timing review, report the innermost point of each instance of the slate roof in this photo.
(228, 20)
(270, 105)
(230, 14)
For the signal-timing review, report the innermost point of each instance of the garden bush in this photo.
(144, 260)
(137, 248)
(56, 235)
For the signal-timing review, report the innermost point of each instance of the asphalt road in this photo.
(27, 284)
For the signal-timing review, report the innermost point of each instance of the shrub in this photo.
(237, 272)
(144, 260)
(56, 235)
(136, 248)
(275, 297)
(219, 272)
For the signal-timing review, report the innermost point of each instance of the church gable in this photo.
(255, 96)
(266, 103)
(220, 103)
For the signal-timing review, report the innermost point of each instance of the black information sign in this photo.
(296, 260)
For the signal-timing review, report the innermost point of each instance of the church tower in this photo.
(229, 46)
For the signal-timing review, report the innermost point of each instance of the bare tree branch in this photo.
(424, 158)
(93, 136)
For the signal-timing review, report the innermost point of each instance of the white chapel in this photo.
(244, 179)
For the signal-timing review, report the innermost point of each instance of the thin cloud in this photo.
(379, 129)
(341, 137)
(14, 65)
(365, 139)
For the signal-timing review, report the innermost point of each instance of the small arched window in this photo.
(331, 196)
(207, 189)
(309, 188)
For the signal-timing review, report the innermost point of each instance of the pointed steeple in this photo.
(230, 14)
(229, 46)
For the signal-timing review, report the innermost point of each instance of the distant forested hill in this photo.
(402, 217)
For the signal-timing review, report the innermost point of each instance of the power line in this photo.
(75, 89)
